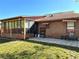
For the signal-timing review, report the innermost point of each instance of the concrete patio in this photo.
(71, 43)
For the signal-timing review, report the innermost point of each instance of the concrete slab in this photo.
(71, 43)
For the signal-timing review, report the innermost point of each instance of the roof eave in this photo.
(45, 20)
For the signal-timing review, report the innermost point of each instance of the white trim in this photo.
(69, 20)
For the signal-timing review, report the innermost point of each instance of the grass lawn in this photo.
(29, 50)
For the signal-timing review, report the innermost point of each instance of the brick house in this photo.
(58, 25)
(55, 25)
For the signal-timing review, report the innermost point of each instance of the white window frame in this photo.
(71, 25)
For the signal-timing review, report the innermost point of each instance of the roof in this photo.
(60, 16)
(35, 17)
(28, 17)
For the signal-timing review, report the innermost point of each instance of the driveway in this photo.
(57, 41)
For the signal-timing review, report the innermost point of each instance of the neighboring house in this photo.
(58, 25)
(19, 27)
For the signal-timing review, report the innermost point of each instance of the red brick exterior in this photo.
(56, 29)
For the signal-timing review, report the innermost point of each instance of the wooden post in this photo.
(10, 29)
(28, 27)
(1, 28)
(24, 28)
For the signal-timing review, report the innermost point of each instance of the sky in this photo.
(12, 8)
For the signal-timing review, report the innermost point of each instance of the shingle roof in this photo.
(34, 17)
(27, 17)
(60, 16)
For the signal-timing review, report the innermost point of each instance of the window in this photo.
(10, 27)
(70, 25)
(2, 25)
(19, 24)
(12, 24)
(6, 25)
(29, 24)
(22, 23)
(16, 24)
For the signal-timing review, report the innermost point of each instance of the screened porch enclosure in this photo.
(18, 28)
(12, 28)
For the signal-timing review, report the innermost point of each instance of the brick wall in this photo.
(77, 28)
(56, 29)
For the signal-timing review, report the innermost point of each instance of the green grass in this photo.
(29, 50)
